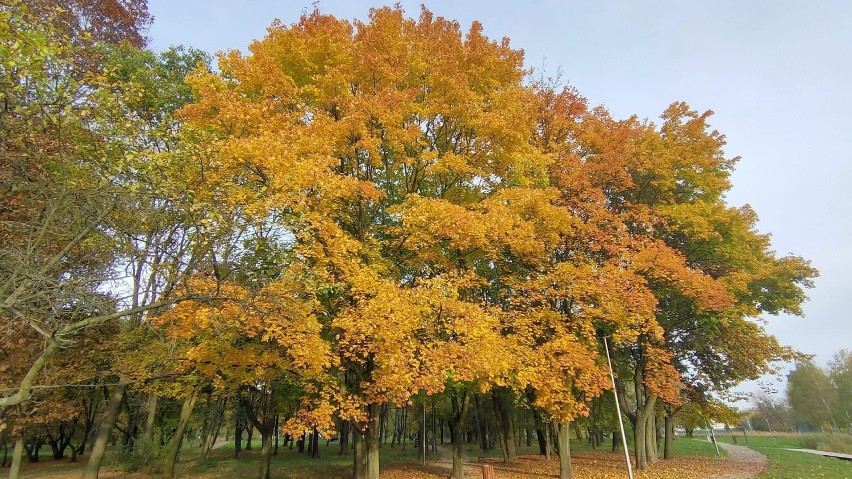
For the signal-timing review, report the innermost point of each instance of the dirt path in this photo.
(747, 463)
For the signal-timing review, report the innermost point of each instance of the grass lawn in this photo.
(785, 464)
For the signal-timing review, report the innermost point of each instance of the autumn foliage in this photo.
(383, 211)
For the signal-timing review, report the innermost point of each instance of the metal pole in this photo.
(712, 436)
(771, 432)
(618, 412)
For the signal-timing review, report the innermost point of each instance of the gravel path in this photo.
(748, 462)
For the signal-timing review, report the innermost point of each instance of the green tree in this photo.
(812, 396)
(840, 373)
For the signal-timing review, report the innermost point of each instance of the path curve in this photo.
(748, 462)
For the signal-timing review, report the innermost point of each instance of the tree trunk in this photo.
(104, 430)
(651, 438)
(359, 460)
(315, 441)
(372, 438)
(177, 441)
(421, 433)
(211, 432)
(548, 448)
(344, 438)
(563, 439)
(460, 407)
(151, 409)
(481, 422)
(17, 455)
(384, 413)
(266, 447)
(404, 425)
(668, 452)
(277, 434)
(238, 439)
(434, 428)
(639, 444)
(539, 430)
(503, 402)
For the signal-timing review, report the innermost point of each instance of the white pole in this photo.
(618, 412)
(712, 436)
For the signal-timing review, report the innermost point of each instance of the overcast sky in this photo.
(777, 73)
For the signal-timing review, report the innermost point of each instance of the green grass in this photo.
(685, 446)
(786, 464)
(761, 441)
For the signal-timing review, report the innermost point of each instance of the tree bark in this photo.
(668, 452)
(177, 441)
(548, 448)
(266, 447)
(104, 430)
(315, 444)
(238, 439)
(651, 438)
(503, 402)
(372, 438)
(359, 461)
(17, 455)
(212, 430)
(460, 406)
(344, 438)
(563, 439)
(421, 433)
(150, 419)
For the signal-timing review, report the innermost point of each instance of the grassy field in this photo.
(786, 464)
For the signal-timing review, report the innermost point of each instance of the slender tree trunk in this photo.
(359, 458)
(503, 403)
(212, 430)
(668, 452)
(17, 455)
(177, 441)
(266, 447)
(315, 441)
(238, 439)
(404, 425)
(384, 413)
(372, 438)
(421, 433)
(651, 438)
(563, 439)
(460, 405)
(344, 438)
(639, 444)
(434, 428)
(481, 423)
(539, 430)
(104, 430)
(548, 448)
(150, 418)
(276, 432)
